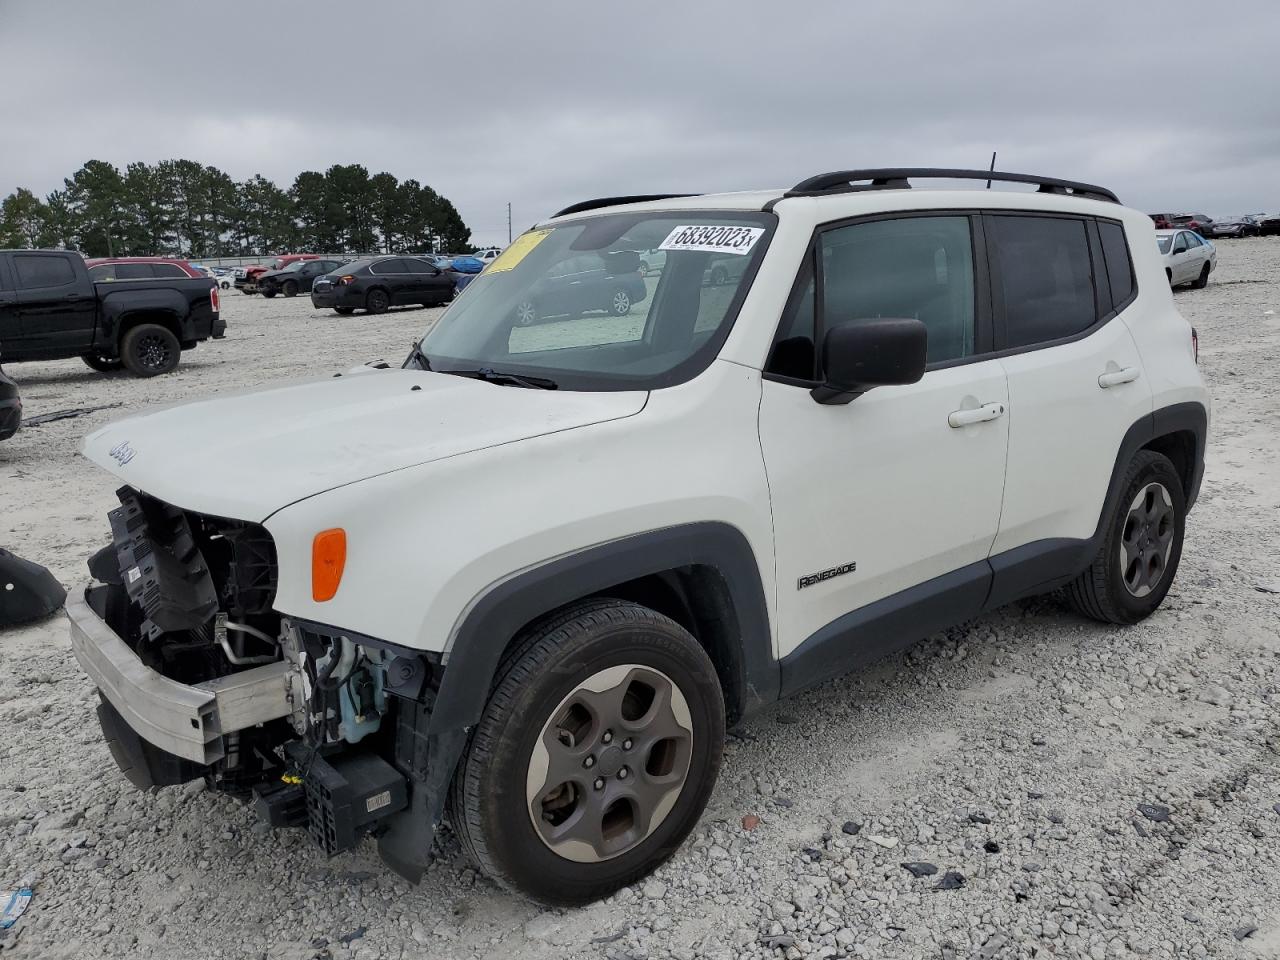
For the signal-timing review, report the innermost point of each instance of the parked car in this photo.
(1196, 222)
(1269, 224)
(51, 309)
(296, 278)
(582, 284)
(378, 283)
(1163, 221)
(1244, 226)
(246, 280)
(141, 268)
(487, 255)
(532, 575)
(10, 406)
(224, 276)
(1187, 257)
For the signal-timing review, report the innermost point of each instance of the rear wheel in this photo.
(290, 288)
(526, 313)
(377, 301)
(149, 350)
(595, 756)
(102, 364)
(1138, 560)
(1202, 281)
(267, 293)
(620, 303)
(344, 311)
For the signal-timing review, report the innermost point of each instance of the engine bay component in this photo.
(346, 794)
(27, 591)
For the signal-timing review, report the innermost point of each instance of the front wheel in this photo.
(149, 350)
(526, 313)
(268, 293)
(620, 303)
(595, 755)
(97, 361)
(1202, 281)
(1138, 560)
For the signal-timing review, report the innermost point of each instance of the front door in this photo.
(889, 502)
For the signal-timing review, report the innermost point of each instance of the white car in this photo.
(531, 576)
(488, 256)
(1188, 257)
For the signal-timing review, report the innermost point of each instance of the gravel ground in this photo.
(1081, 790)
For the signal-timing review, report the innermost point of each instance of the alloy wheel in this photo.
(526, 313)
(153, 351)
(621, 303)
(1147, 539)
(610, 763)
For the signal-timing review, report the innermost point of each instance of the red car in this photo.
(140, 268)
(247, 277)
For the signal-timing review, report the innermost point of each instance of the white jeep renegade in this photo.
(530, 576)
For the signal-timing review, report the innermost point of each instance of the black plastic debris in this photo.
(919, 868)
(852, 828)
(1155, 812)
(950, 881)
(353, 936)
(27, 591)
(814, 855)
(1276, 807)
(65, 414)
(991, 846)
(1245, 932)
(978, 816)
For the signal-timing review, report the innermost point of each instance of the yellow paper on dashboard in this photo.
(520, 248)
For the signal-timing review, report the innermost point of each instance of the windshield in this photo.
(576, 305)
(294, 267)
(1165, 243)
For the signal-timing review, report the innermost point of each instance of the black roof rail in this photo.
(890, 178)
(619, 201)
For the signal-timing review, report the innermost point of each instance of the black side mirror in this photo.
(870, 353)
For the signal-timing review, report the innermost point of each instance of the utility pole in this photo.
(508, 223)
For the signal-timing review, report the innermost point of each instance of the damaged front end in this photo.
(200, 677)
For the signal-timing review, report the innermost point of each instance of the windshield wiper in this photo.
(489, 375)
(417, 356)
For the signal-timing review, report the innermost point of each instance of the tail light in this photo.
(1195, 344)
(213, 297)
(343, 281)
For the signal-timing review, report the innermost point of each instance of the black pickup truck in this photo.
(50, 310)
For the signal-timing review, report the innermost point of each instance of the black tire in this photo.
(344, 311)
(290, 288)
(1201, 281)
(1102, 592)
(149, 350)
(1169, 274)
(267, 293)
(97, 361)
(377, 301)
(490, 801)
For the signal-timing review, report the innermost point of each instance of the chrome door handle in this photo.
(1113, 378)
(988, 411)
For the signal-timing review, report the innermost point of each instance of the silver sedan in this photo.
(1188, 258)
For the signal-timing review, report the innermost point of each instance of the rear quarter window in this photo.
(1115, 252)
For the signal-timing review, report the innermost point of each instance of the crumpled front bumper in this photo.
(188, 721)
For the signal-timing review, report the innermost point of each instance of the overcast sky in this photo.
(1175, 105)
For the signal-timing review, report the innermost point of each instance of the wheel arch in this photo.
(136, 318)
(702, 575)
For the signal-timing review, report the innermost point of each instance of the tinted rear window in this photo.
(1046, 278)
(134, 271)
(168, 271)
(36, 271)
(1115, 251)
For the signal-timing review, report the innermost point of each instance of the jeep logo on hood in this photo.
(121, 453)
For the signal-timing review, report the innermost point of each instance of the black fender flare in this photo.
(168, 307)
(494, 618)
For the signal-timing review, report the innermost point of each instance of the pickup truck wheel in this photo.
(149, 350)
(97, 361)
(290, 289)
(1138, 560)
(595, 755)
(377, 301)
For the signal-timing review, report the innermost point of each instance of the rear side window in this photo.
(168, 271)
(387, 266)
(103, 271)
(36, 271)
(1115, 251)
(134, 271)
(1046, 278)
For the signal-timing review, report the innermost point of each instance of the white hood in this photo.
(247, 456)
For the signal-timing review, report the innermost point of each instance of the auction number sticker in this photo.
(737, 240)
(520, 248)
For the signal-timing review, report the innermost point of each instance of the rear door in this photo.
(57, 305)
(390, 273)
(1076, 382)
